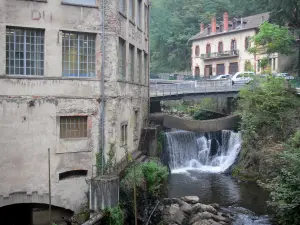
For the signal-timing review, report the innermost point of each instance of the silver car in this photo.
(285, 76)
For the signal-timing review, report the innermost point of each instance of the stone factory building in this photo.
(53, 83)
(221, 48)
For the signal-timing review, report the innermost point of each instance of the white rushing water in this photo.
(210, 152)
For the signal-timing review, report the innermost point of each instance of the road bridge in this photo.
(192, 90)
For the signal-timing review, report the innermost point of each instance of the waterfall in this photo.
(206, 152)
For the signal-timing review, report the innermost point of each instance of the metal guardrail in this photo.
(164, 90)
(223, 54)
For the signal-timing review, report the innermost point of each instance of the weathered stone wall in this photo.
(28, 131)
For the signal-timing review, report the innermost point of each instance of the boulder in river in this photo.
(191, 199)
(188, 211)
(172, 214)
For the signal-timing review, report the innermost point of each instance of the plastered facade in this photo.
(31, 106)
(222, 57)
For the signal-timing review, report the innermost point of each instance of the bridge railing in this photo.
(162, 90)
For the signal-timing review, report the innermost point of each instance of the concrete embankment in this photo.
(224, 123)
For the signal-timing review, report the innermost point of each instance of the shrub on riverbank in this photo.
(151, 185)
(270, 114)
(285, 187)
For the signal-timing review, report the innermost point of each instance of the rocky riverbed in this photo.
(189, 211)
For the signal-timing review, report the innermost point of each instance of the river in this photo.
(197, 162)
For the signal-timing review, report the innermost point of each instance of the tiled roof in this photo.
(249, 22)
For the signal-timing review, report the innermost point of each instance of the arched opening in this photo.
(233, 47)
(233, 44)
(34, 214)
(247, 43)
(197, 72)
(220, 47)
(197, 51)
(208, 49)
(72, 174)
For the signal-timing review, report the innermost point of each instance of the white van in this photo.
(242, 77)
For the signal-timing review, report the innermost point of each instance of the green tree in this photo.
(270, 113)
(285, 188)
(174, 22)
(273, 39)
(286, 13)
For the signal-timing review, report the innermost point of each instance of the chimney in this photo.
(225, 21)
(214, 25)
(201, 27)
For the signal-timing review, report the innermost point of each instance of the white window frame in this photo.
(79, 2)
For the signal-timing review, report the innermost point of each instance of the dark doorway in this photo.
(208, 70)
(220, 69)
(33, 214)
(233, 68)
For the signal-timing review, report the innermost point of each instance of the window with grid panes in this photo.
(131, 9)
(131, 63)
(24, 51)
(124, 127)
(122, 6)
(139, 66)
(78, 54)
(146, 68)
(73, 126)
(122, 59)
(139, 14)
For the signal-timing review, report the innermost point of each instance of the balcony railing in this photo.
(216, 55)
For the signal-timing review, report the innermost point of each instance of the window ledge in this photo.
(80, 5)
(123, 14)
(43, 1)
(32, 77)
(130, 82)
(75, 139)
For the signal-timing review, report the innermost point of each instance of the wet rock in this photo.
(206, 222)
(186, 208)
(203, 208)
(201, 216)
(170, 201)
(190, 199)
(216, 206)
(173, 215)
(221, 219)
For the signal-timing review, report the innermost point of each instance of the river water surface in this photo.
(197, 161)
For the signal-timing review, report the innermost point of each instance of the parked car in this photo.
(242, 77)
(285, 76)
(221, 77)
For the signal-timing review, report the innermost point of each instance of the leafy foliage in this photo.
(270, 114)
(113, 216)
(284, 12)
(285, 188)
(149, 176)
(151, 181)
(272, 38)
(109, 164)
(174, 22)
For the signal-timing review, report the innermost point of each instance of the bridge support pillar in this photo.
(150, 144)
(104, 192)
(155, 107)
